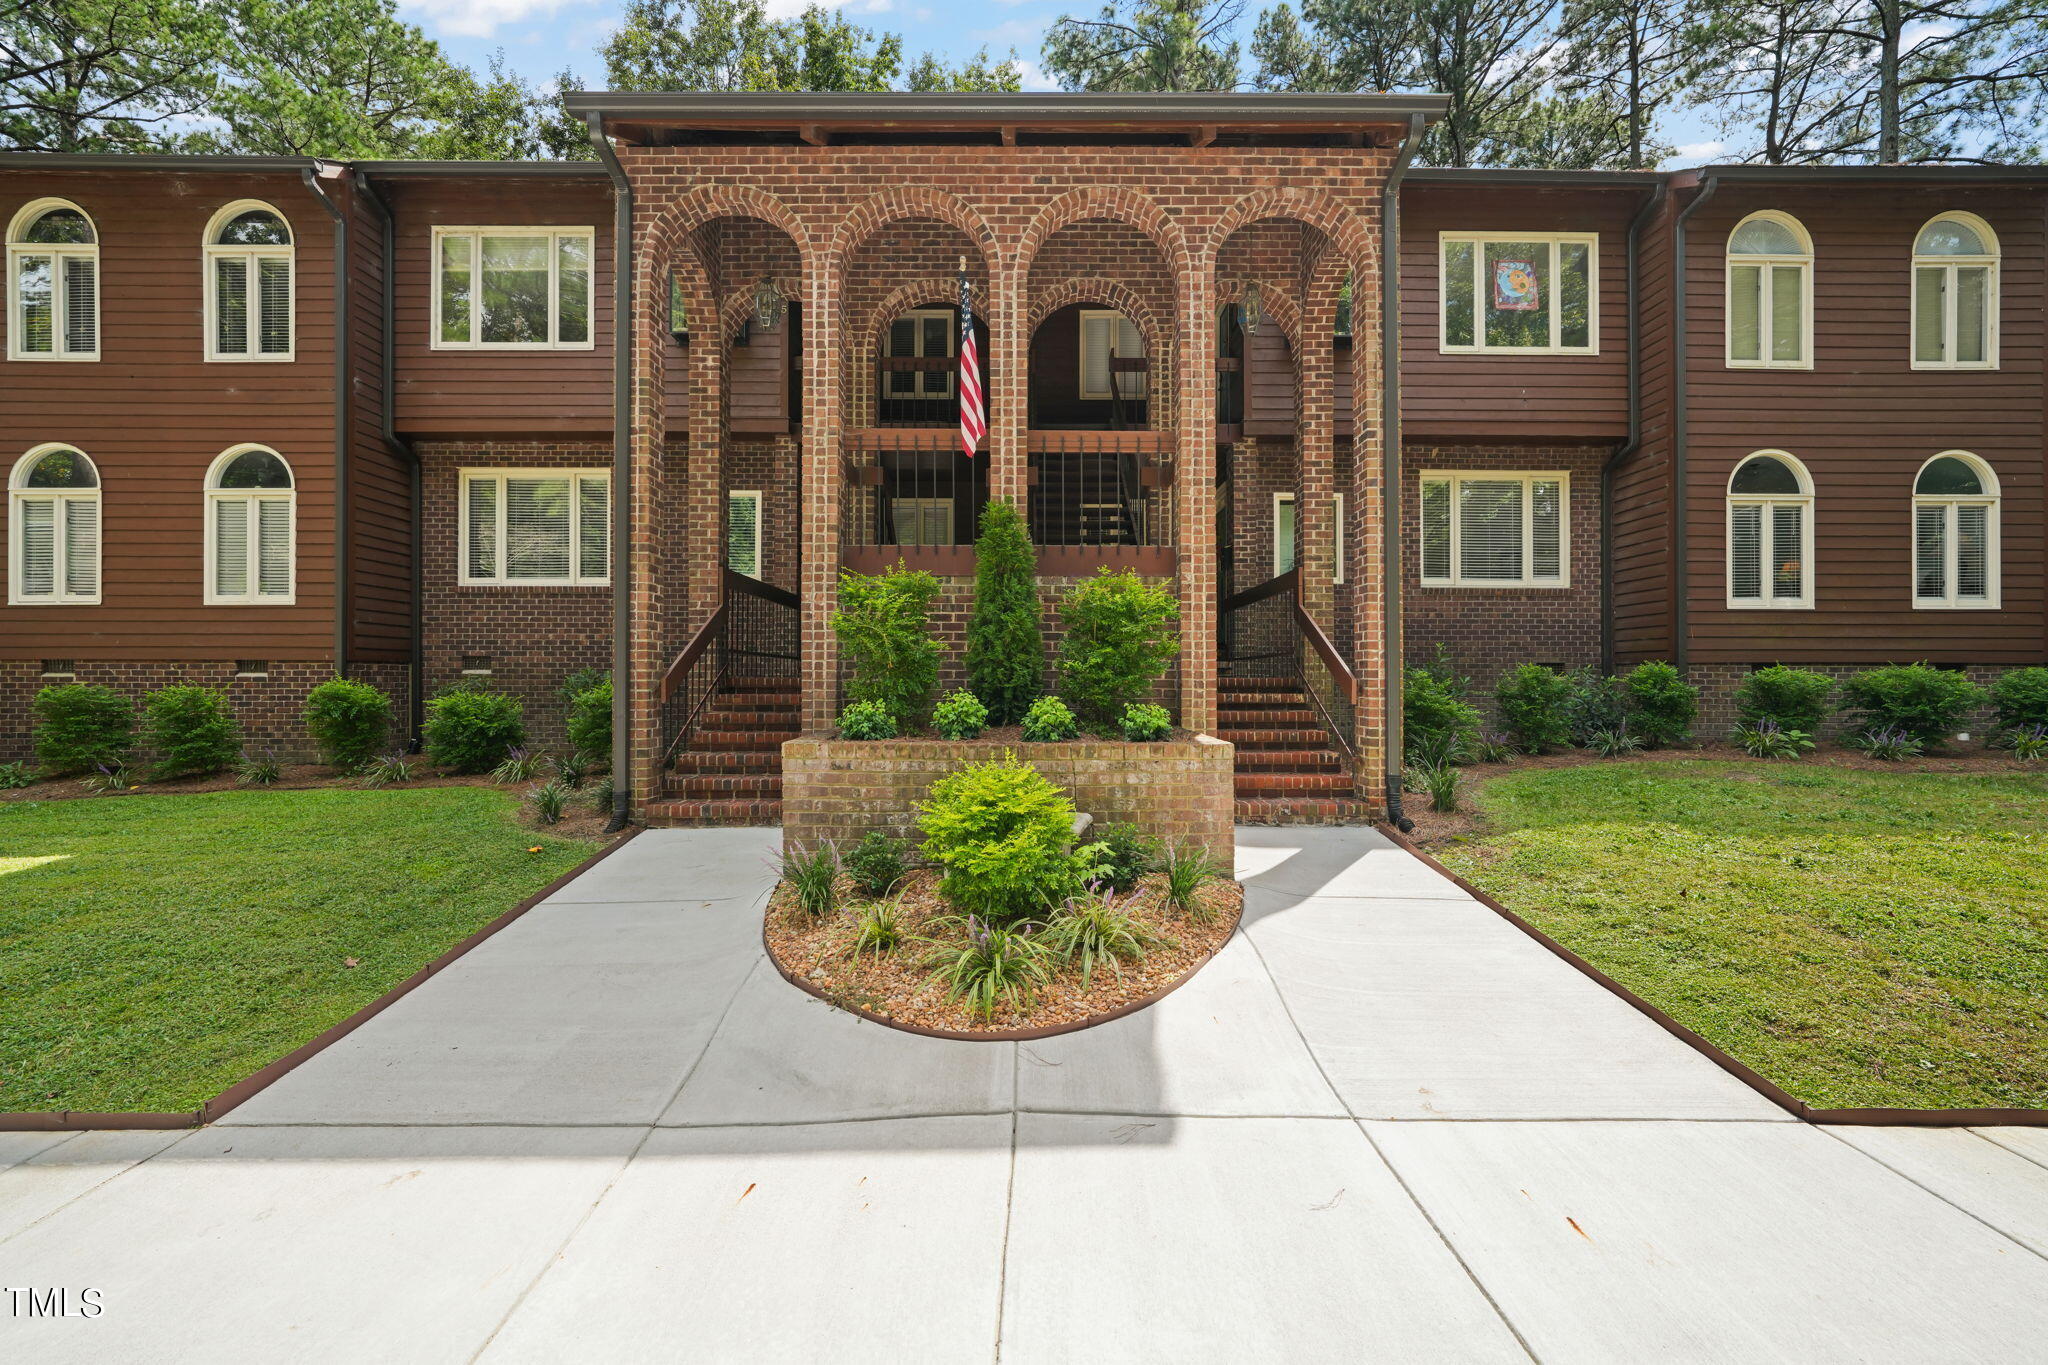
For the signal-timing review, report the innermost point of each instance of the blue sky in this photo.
(540, 37)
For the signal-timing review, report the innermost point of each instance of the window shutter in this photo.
(593, 528)
(1929, 286)
(230, 305)
(81, 304)
(1788, 312)
(34, 287)
(743, 533)
(483, 528)
(1489, 529)
(230, 547)
(1973, 314)
(274, 274)
(274, 547)
(1746, 552)
(38, 565)
(1973, 552)
(1436, 531)
(1788, 561)
(1546, 533)
(1745, 312)
(536, 528)
(1930, 552)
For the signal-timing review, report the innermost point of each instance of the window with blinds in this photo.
(249, 256)
(536, 528)
(1495, 530)
(1286, 552)
(54, 529)
(53, 267)
(513, 288)
(250, 511)
(1104, 331)
(743, 532)
(1955, 533)
(1770, 294)
(1770, 533)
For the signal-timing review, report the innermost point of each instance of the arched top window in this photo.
(249, 528)
(53, 528)
(53, 283)
(1770, 293)
(1770, 533)
(1955, 294)
(249, 267)
(1955, 533)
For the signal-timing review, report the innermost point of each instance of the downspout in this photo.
(1390, 463)
(1634, 442)
(622, 473)
(1680, 624)
(342, 406)
(416, 711)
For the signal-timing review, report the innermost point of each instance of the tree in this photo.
(1147, 45)
(1628, 60)
(931, 74)
(1005, 632)
(103, 75)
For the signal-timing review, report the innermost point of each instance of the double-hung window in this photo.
(53, 283)
(248, 284)
(1495, 530)
(922, 333)
(250, 507)
(1770, 533)
(1520, 293)
(536, 528)
(1770, 294)
(512, 288)
(1955, 294)
(1955, 533)
(1108, 335)
(53, 529)
(743, 531)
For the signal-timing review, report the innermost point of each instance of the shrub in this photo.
(884, 630)
(879, 929)
(1925, 702)
(1092, 929)
(82, 726)
(1441, 782)
(1005, 631)
(1001, 832)
(1188, 868)
(1534, 703)
(518, 766)
(381, 772)
(1596, 703)
(472, 731)
(549, 799)
(1435, 717)
(2029, 743)
(14, 776)
(1796, 698)
(259, 772)
(813, 874)
(1144, 723)
(876, 863)
(349, 721)
(960, 716)
(997, 963)
(580, 680)
(590, 722)
(866, 720)
(192, 731)
(1766, 738)
(1049, 721)
(1663, 707)
(1127, 853)
(2020, 697)
(1119, 640)
(1888, 742)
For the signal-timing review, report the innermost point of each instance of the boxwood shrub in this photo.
(1795, 698)
(191, 731)
(1002, 832)
(1119, 640)
(1535, 705)
(81, 727)
(1663, 707)
(470, 730)
(590, 723)
(2020, 697)
(349, 721)
(1927, 703)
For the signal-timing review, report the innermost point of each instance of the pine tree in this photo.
(1005, 642)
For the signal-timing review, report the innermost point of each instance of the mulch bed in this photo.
(898, 985)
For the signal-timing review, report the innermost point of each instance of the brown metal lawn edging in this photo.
(79, 1120)
(1755, 1080)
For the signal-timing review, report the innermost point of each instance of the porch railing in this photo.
(752, 634)
(922, 493)
(1265, 632)
(916, 391)
(1092, 489)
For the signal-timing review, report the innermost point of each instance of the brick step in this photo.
(683, 811)
(1312, 811)
(1303, 760)
(753, 739)
(766, 703)
(737, 718)
(1231, 701)
(1259, 684)
(1288, 784)
(727, 761)
(1232, 718)
(723, 786)
(753, 684)
(1264, 738)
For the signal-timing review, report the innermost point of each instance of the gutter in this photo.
(311, 175)
(900, 108)
(1630, 446)
(1680, 623)
(1390, 471)
(416, 710)
(622, 473)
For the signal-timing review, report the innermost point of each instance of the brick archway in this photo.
(1159, 341)
(707, 202)
(914, 202)
(1346, 232)
(1277, 302)
(1114, 202)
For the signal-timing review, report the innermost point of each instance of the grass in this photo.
(156, 949)
(1863, 939)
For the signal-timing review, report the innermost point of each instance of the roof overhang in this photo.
(1891, 175)
(1487, 175)
(120, 161)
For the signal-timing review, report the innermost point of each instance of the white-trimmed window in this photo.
(1343, 540)
(1770, 533)
(1487, 529)
(1105, 331)
(512, 288)
(251, 558)
(1955, 533)
(1770, 293)
(926, 333)
(248, 283)
(927, 521)
(1286, 534)
(536, 528)
(53, 283)
(743, 531)
(1955, 294)
(1520, 293)
(53, 529)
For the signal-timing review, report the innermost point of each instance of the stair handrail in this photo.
(735, 581)
(706, 636)
(1308, 632)
(1340, 671)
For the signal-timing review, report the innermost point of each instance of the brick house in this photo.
(277, 418)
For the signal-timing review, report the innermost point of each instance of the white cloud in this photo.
(1912, 35)
(1033, 76)
(1695, 153)
(479, 18)
(1023, 34)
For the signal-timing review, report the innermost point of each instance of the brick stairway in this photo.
(1288, 771)
(731, 772)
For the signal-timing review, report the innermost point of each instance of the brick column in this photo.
(1315, 440)
(824, 418)
(650, 505)
(1194, 488)
(1009, 344)
(1369, 658)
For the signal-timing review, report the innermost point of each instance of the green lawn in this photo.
(1861, 938)
(156, 949)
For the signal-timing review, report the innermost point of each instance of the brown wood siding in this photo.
(1269, 400)
(1512, 397)
(153, 415)
(1641, 561)
(1863, 422)
(497, 393)
(380, 482)
(757, 382)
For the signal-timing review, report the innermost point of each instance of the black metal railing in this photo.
(753, 634)
(1091, 497)
(927, 496)
(1264, 632)
(917, 391)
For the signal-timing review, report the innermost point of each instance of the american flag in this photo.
(973, 410)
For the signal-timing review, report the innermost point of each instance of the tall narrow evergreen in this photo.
(1005, 642)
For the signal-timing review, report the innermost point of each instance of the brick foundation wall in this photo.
(1718, 682)
(841, 789)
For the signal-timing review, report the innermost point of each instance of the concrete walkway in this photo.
(1382, 1124)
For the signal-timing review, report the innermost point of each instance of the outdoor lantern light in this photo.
(1249, 311)
(768, 304)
